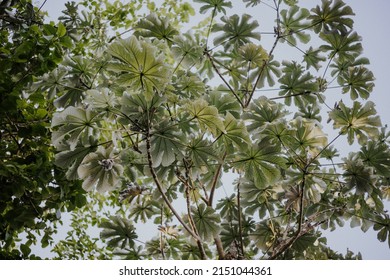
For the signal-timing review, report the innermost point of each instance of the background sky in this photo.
(371, 22)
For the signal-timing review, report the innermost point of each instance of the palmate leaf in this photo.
(261, 164)
(143, 211)
(71, 159)
(358, 81)
(207, 221)
(136, 109)
(189, 85)
(312, 58)
(255, 199)
(304, 242)
(307, 136)
(293, 22)
(101, 169)
(342, 64)
(215, 5)
(263, 236)
(139, 65)
(235, 132)
(345, 47)
(377, 155)
(270, 70)
(74, 126)
(235, 32)
(102, 99)
(206, 115)
(383, 228)
(119, 232)
(81, 67)
(359, 121)
(187, 50)
(228, 207)
(156, 27)
(52, 82)
(296, 83)
(252, 55)
(166, 144)
(332, 18)
(358, 175)
(201, 152)
(225, 103)
(252, 3)
(262, 112)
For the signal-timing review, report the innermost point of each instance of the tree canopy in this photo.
(116, 114)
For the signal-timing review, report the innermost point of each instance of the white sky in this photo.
(371, 22)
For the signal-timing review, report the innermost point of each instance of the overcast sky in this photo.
(371, 22)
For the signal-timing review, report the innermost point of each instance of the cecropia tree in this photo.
(151, 120)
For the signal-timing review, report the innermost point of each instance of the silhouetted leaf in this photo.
(119, 232)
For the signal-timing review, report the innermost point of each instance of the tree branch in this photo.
(159, 187)
(240, 220)
(215, 181)
(287, 243)
(187, 186)
(222, 77)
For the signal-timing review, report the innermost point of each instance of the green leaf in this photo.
(156, 27)
(293, 23)
(304, 242)
(268, 72)
(26, 250)
(136, 109)
(235, 32)
(216, 5)
(165, 144)
(261, 164)
(143, 211)
(206, 115)
(225, 103)
(74, 126)
(235, 131)
(102, 99)
(312, 57)
(261, 113)
(263, 236)
(382, 234)
(61, 30)
(207, 221)
(342, 64)
(139, 65)
(307, 136)
(252, 3)
(345, 47)
(189, 85)
(119, 232)
(358, 175)
(377, 155)
(253, 55)
(187, 50)
(53, 82)
(358, 81)
(71, 159)
(359, 121)
(334, 18)
(297, 85)
(201, 152)
(101, 169)
(355, 222)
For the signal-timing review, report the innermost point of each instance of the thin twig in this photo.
(222, 77)
(215, 181)
(240, 220)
